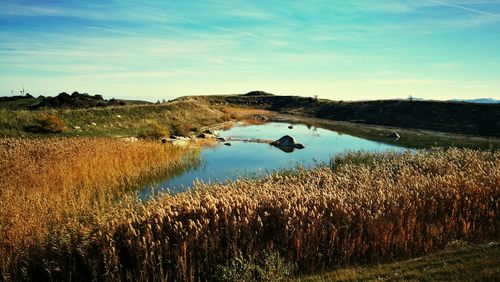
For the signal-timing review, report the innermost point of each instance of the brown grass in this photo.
(239, 112)
(247, 116)
(395, 206)
(47, 183)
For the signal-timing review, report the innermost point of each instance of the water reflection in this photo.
(256, 159)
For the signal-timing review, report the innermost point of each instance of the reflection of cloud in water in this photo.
(248, 159)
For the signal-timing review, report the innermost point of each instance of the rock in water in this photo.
(227, 144)
(290, 127)
(298, 146)
(285, 141)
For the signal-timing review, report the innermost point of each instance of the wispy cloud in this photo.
(381, 44)
(465, 8)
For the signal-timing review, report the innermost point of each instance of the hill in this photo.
(454, 117)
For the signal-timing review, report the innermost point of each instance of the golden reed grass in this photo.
(247, 116)
(395, 205)
(49, 182)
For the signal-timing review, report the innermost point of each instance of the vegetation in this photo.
(130, 120)
(52, 124)
(155, 131)
(184, 129)
(51, 185)
(394, 206)
(456, 117)
(460, 263)
(62, 100)
(268, 267)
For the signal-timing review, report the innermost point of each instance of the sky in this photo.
(336, 49)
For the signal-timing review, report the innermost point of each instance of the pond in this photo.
(250, 159)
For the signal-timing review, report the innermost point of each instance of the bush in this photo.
(271, 267)
(52, 124)
(184, 129)
(155, 131)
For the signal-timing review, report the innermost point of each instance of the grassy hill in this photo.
(454, 117)
(125, 120)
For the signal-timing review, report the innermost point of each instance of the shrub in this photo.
(184, 129)
(271, 267)
(52, 124)
(154, 131)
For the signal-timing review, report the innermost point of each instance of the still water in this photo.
(256, 159)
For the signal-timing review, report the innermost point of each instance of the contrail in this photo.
(464, 8)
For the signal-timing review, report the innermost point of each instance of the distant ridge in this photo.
(479, 101)
(476, 101)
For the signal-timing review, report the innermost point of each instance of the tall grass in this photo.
(49, 183)
(397, 205)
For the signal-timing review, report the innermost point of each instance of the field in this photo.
(363, 208)
(48, 184)
(71, 210)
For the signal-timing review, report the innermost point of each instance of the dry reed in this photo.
(396, 205)
(47, 183)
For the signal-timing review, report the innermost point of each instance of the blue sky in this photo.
(341, 50)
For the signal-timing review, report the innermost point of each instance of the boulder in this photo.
(227, 144)
(221, 139)
(205, 136)
(287, 144)
(394, 134)
(285, 141)
(290, 127)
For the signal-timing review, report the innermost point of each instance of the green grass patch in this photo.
(465, 263)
